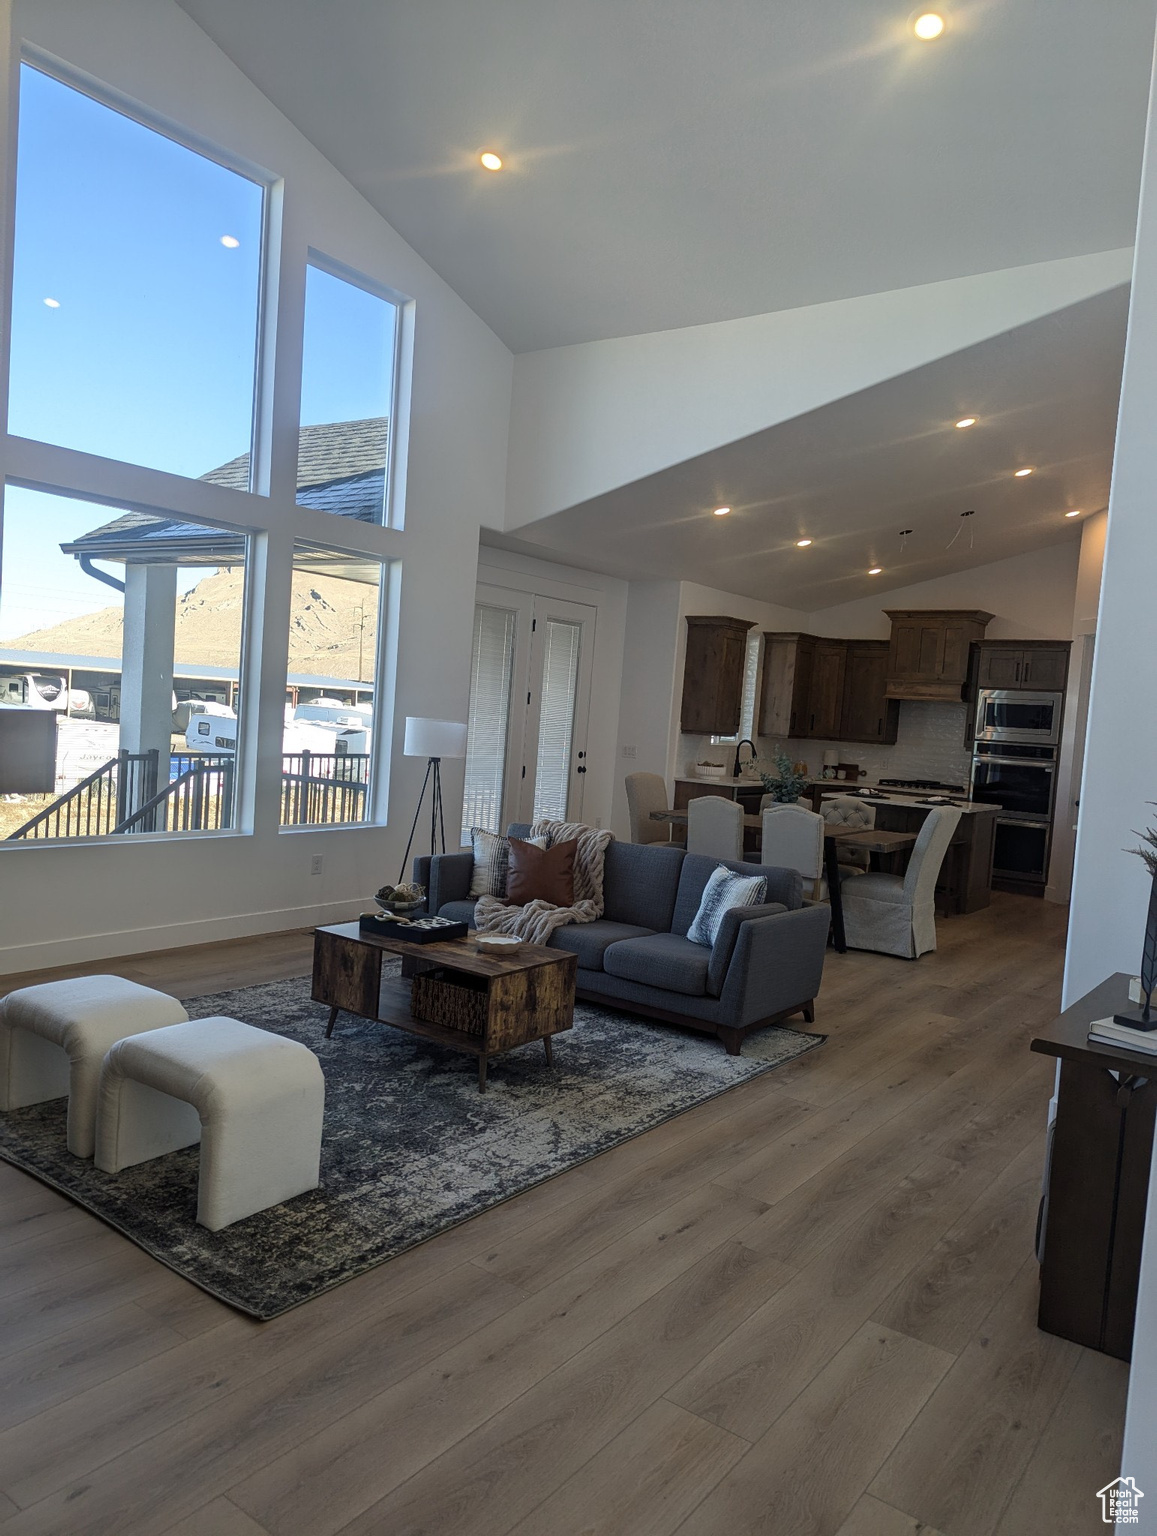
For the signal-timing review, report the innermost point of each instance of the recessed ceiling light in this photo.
(802, 543)
(490, 160)
(230, 242)
(1020, 473)
(53, 303)
(1075, 513)
(928, 26)
(721, 511)
(875, 570)
(966, 421)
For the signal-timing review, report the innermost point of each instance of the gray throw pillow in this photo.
(724, 890)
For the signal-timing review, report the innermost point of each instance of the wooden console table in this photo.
(529, 995)
(1098, 1180)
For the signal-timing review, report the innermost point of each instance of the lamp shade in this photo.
(434, 738)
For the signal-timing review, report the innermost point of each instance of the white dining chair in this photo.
(793, 838)
(715, 827)
(844, 813)
(896, 915)
(647, 792)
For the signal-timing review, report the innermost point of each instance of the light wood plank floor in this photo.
(806, 1308)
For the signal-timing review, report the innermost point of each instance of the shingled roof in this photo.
(333, 450)
(341, 469)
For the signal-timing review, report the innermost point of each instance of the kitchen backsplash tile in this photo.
(929, 745)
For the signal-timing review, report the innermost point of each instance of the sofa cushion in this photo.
(664, 960)
(458, 911)
(785, 885)
(640, 881)
(589, 941)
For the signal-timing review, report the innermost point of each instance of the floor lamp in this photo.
(433, 740)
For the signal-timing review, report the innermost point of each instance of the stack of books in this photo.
(1108, 1032)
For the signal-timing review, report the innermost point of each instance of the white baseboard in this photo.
(1058, 893)
(138, 941)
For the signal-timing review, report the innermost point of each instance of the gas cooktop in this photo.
(933, 784)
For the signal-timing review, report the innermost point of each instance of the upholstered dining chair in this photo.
(844, 813)
(793, 838)
(896, 915)
(715, 827)
(647, 792)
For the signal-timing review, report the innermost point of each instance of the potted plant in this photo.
(789, 785)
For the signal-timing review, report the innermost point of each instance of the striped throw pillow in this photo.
(724, 890)
(492, 861)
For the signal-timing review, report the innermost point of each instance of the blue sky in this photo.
(147, 353)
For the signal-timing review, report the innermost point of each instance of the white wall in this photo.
(1071, 757)
(73, 903)
(1030, 597)
(591, 417)
(1111, 888)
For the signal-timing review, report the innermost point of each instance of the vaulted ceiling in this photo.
(852, 475)
(671, 162)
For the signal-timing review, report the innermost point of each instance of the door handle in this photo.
(580, 770)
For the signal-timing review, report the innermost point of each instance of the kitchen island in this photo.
(965, 880)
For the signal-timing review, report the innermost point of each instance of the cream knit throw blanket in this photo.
(535, 922)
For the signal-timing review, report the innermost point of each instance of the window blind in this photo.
(488, 720)
(556, 720)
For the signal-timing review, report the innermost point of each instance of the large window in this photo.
(127, 628)
(347, 396)
(328, 740)
(136, 283)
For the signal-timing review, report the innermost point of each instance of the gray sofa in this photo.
(765, 965)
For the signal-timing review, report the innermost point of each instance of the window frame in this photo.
(322, 262)
(157, 122)
(377, 784)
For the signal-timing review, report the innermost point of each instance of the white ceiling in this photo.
(672, 162)
(852, 474)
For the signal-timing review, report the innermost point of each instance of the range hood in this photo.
(929, 652)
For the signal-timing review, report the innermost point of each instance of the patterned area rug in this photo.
(410, 1145)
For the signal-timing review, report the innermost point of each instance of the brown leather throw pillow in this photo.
(540, 874)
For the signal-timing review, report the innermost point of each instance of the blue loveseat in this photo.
(765, 965)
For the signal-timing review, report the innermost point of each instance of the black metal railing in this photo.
(197, 798)
(125, 795)
(98, 804)
(323, 787)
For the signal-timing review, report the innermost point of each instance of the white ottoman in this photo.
(53, 1039)
(252, 1099)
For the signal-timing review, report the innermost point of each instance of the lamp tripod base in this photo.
(437, 818)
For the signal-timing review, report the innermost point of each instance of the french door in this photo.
(530, 687)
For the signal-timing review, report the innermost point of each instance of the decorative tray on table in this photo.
(426, 930)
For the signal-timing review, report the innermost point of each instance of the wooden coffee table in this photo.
(528, 995)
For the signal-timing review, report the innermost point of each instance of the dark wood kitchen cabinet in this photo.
(826, 702)
(929, 652)
(713, 675)
(868, 714)
(829, 690)
(1035, 666)
(785, 694)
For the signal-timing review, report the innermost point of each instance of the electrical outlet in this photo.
(315, 864)
(629, 752)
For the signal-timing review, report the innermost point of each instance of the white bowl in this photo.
(702, 772)
(498, 943)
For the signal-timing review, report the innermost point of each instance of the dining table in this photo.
(870, 839)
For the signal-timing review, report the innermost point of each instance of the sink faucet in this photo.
(746, 742)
